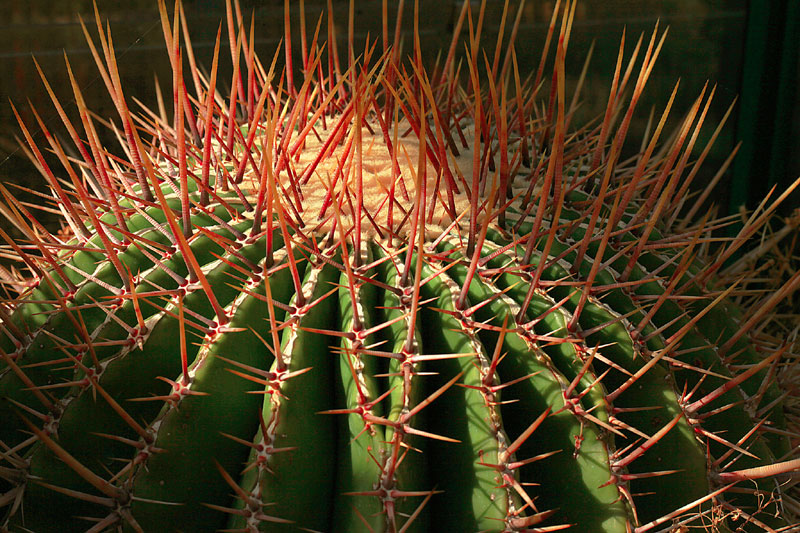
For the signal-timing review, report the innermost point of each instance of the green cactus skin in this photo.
(535, 340)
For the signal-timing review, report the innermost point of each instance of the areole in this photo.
(384, 299)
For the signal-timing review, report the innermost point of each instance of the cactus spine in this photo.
(382, 300)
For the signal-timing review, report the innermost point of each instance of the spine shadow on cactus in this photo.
(384, 300)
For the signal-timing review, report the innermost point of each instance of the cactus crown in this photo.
(383, 299)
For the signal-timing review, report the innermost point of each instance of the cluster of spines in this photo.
(213, 217)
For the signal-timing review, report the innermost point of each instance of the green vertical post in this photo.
(768, 95)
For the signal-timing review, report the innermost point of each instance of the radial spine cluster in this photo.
(383, 298)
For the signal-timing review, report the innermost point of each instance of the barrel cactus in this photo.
(382, 299)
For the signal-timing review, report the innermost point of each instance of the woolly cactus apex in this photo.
(380, 299)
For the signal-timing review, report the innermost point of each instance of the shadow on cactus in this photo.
(379, 298)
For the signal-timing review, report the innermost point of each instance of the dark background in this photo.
(708, 40)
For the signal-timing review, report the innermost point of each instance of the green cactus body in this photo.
(381, 301)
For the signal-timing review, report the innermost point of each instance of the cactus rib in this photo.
(384, 298)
